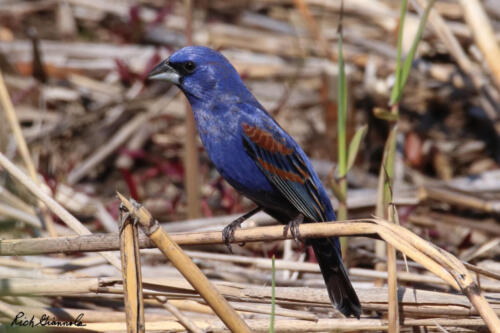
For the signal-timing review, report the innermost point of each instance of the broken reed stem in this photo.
(186, 267)
(482, 271)
(407, 246)
(23, 150)
(131, 273)
(487, 313)
(53, 205)
(455, 267)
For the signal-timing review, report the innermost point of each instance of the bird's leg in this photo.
(228, 231)
(293, 225)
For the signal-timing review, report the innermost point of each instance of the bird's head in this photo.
(200, 72)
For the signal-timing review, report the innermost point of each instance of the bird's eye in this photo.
(189, 66)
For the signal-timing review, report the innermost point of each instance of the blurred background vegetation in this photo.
(76, 73)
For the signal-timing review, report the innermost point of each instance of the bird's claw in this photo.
(228, 231)
(228, 234)
(293, 226)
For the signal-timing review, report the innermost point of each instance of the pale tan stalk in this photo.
(53, 205)
(23, 149)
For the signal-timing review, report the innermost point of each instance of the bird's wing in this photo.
(283, 166)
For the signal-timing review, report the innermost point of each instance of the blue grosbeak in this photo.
(257, 157)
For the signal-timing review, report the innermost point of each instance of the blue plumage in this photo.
(256, 156)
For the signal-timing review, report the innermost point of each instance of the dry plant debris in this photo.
(80, 122)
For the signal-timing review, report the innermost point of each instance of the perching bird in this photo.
(257, 157)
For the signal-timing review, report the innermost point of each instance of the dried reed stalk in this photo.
(53, 205)
(185, 321)
(413, 302)
(392, 279)
(265, 263)
(23, 149)
(109, 242)
(460, 199)
(9, 211)
(89, 316)
(132, 276)
(481, 27)
(392, 285)
(457, 270)
(436, 260)
(191, 159)
(298, 326)
(186, 267)
(259, 325)
(15, 202)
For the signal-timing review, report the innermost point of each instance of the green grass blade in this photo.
(384, 195)
(405, 70)
(273, 295)
(354, 146)
(336, 189)
(341, 133)
(411, 55)
(397, 85)
(341, 109)
(384, 114)
(388, 165)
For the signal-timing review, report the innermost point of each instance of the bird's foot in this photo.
(228, 231)
(293, 225)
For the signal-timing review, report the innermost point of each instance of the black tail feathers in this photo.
(340, 290)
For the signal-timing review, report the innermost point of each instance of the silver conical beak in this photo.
(163, 71)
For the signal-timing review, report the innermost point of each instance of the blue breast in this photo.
(221, 134)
